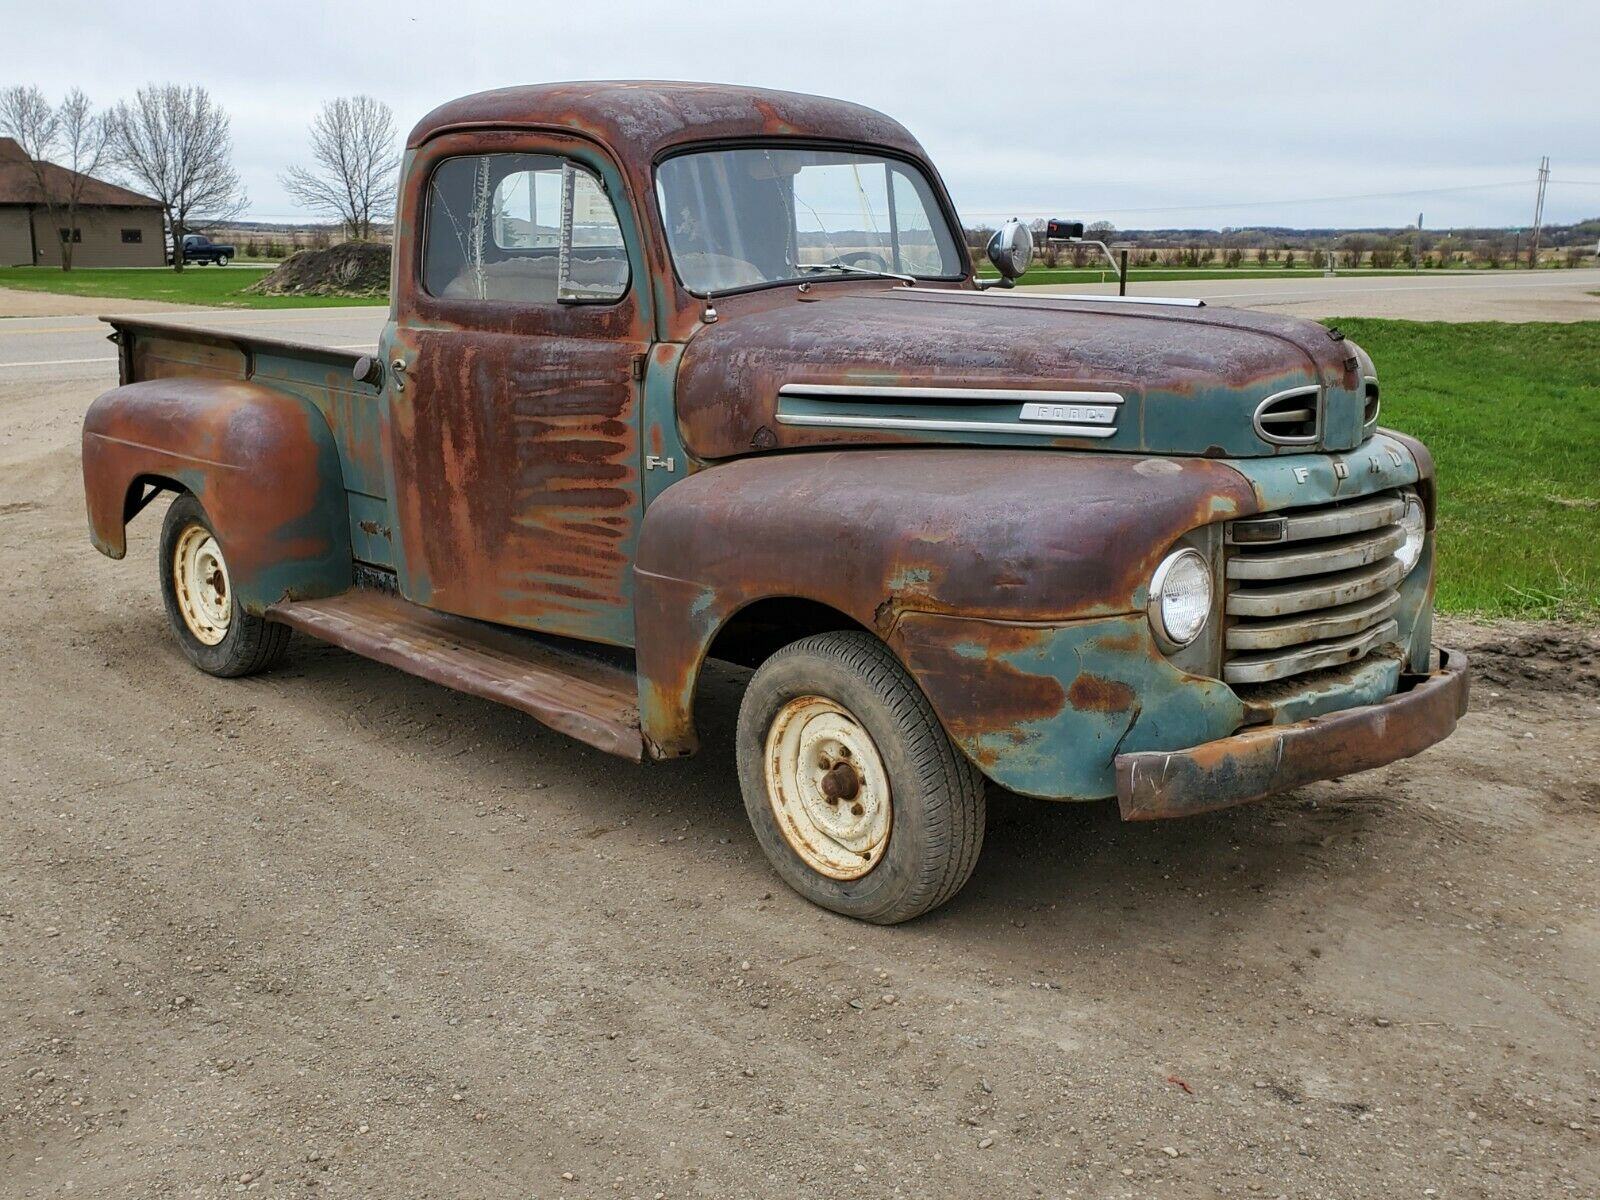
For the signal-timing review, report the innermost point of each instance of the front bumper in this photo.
(1274, 758)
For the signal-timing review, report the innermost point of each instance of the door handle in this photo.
(399, 367)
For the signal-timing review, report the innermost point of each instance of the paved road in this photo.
(1481, 296)
(58, 349)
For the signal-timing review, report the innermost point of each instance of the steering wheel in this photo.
(864, 258)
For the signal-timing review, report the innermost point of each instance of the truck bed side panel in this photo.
(314, 375)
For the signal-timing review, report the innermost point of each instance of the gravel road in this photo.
(334, 928)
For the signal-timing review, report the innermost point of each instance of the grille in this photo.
(1311, 588)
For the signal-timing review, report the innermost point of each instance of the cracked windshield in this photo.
(747, 217)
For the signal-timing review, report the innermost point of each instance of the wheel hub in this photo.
(201, 586)
(828, 787)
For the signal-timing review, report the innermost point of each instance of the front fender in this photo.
(262, 462)
(1002, 535)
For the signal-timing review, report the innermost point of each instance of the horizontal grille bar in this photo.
(1323, 591)
(1318, 558)
(1264, 668)
(1309, 627)
(1371, 513)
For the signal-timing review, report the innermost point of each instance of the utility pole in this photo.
(1416, 263)
(1538, 211)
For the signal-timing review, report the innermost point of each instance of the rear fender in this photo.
(263, 464)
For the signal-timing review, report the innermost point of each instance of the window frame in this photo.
(138, 235)
(524, 304)
(900, 157)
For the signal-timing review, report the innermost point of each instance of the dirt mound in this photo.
(1550, 659)
(348, 269)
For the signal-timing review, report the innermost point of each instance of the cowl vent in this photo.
(1290, 418)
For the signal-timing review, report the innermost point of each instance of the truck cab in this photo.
(683, 371)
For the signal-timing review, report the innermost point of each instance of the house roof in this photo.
(18, 185)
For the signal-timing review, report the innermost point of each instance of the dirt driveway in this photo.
(337, 929)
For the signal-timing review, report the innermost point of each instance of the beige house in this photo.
(114, 228)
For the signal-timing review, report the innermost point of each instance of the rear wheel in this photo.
(856, 793)
(215, 632)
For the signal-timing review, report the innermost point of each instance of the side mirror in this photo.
(1011, 250)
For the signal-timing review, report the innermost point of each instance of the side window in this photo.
(526, 228)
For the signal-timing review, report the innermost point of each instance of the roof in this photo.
(639, 119)
(18, 185)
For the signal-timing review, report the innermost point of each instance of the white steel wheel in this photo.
(217, 632)
(200, 585)
(828, 787)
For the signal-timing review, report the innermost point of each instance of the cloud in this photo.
(1213, 114)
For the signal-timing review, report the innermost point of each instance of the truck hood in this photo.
(937, 366)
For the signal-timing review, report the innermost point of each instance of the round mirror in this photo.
(1011, 249)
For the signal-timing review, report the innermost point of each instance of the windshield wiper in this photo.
(855, 270)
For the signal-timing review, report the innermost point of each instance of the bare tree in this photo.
(353, 145)
(177, 143)
(64, 147)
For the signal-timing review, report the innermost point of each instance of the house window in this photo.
(75, 235)
(132, 237)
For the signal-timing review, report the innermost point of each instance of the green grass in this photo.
(1512, 415)
(210, 287)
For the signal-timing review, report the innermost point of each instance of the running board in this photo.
(584, 697)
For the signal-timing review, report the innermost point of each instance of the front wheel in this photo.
(217, 634)
(856, 793)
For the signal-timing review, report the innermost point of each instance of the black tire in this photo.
(251, 643)
(936, 794)
(222, 261)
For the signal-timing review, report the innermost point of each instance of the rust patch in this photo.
(1101, 695)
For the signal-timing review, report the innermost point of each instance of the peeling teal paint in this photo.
(1133, 698)
(1299, 479)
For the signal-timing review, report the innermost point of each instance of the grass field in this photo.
(209, 287)
(1512, 415)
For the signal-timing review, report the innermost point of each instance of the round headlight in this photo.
(1415, 524)
(1180, 598)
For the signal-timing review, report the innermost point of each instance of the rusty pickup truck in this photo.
(677, 372)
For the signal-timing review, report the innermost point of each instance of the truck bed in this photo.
(318, 375)
(160, 349)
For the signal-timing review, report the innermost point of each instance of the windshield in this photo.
(747, 217)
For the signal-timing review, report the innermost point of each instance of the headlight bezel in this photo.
(1155, 608)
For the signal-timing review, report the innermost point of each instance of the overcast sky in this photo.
(1231, 112)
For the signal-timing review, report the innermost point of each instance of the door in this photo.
(514, 405)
